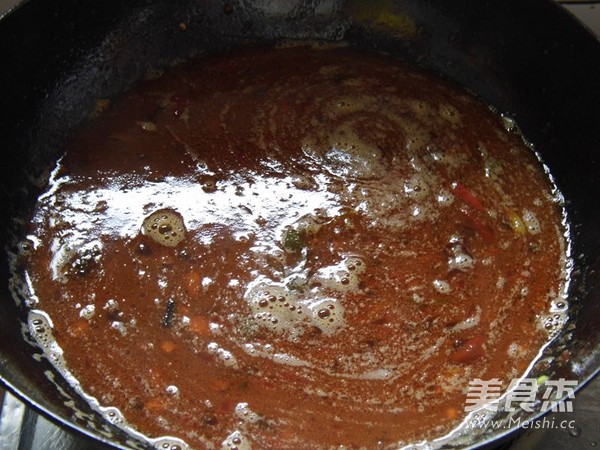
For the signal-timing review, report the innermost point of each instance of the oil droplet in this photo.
(575, 431)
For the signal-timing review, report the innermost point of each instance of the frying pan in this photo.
(529, 59)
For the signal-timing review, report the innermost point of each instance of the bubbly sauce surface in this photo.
(296, 249)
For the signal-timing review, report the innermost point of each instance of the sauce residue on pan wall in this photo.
(296, 249)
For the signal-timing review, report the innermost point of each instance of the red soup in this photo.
(296, 249)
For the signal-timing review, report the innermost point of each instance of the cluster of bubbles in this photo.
(531, 222)
(112, 415)
(461, 261)
(554, 323)
(225, 356)
(169, 443)
(236, 441)
(459, 258)
(87, 312)
(442, 286)
(165, 227)
(274, 307)
(40, 328)
(291, 311)
(450, 113)
(343, 277)
(245, 414)
(74, 256)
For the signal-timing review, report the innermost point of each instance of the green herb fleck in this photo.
(542, 379)
(293, 241)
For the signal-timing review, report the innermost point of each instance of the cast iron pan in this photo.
(529, 59)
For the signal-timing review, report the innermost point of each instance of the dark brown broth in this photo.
(361, 240)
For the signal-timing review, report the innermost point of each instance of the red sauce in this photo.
(294, 249)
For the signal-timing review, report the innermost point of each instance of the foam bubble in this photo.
(165, 226)
(112, 415)
(40, 327)
(73, 255)
(450, 113)
(111, 305)
(559, 305)
(444, 197)
(291, 311)
(442, 286)
(461, 261)
(237, 441)
(469, 322)
(346, 153)
(531, 222)
(416, 187)
(119, 326)
(327, 315)
(172, 389)
(87, 312)
(515, 350)
(553, 323)
(274, 307)
(341, 277)
(169, 443)
(353, 158)
(227, 358)
(245, 414)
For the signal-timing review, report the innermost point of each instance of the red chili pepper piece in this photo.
(467, 196)
(470, 350)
